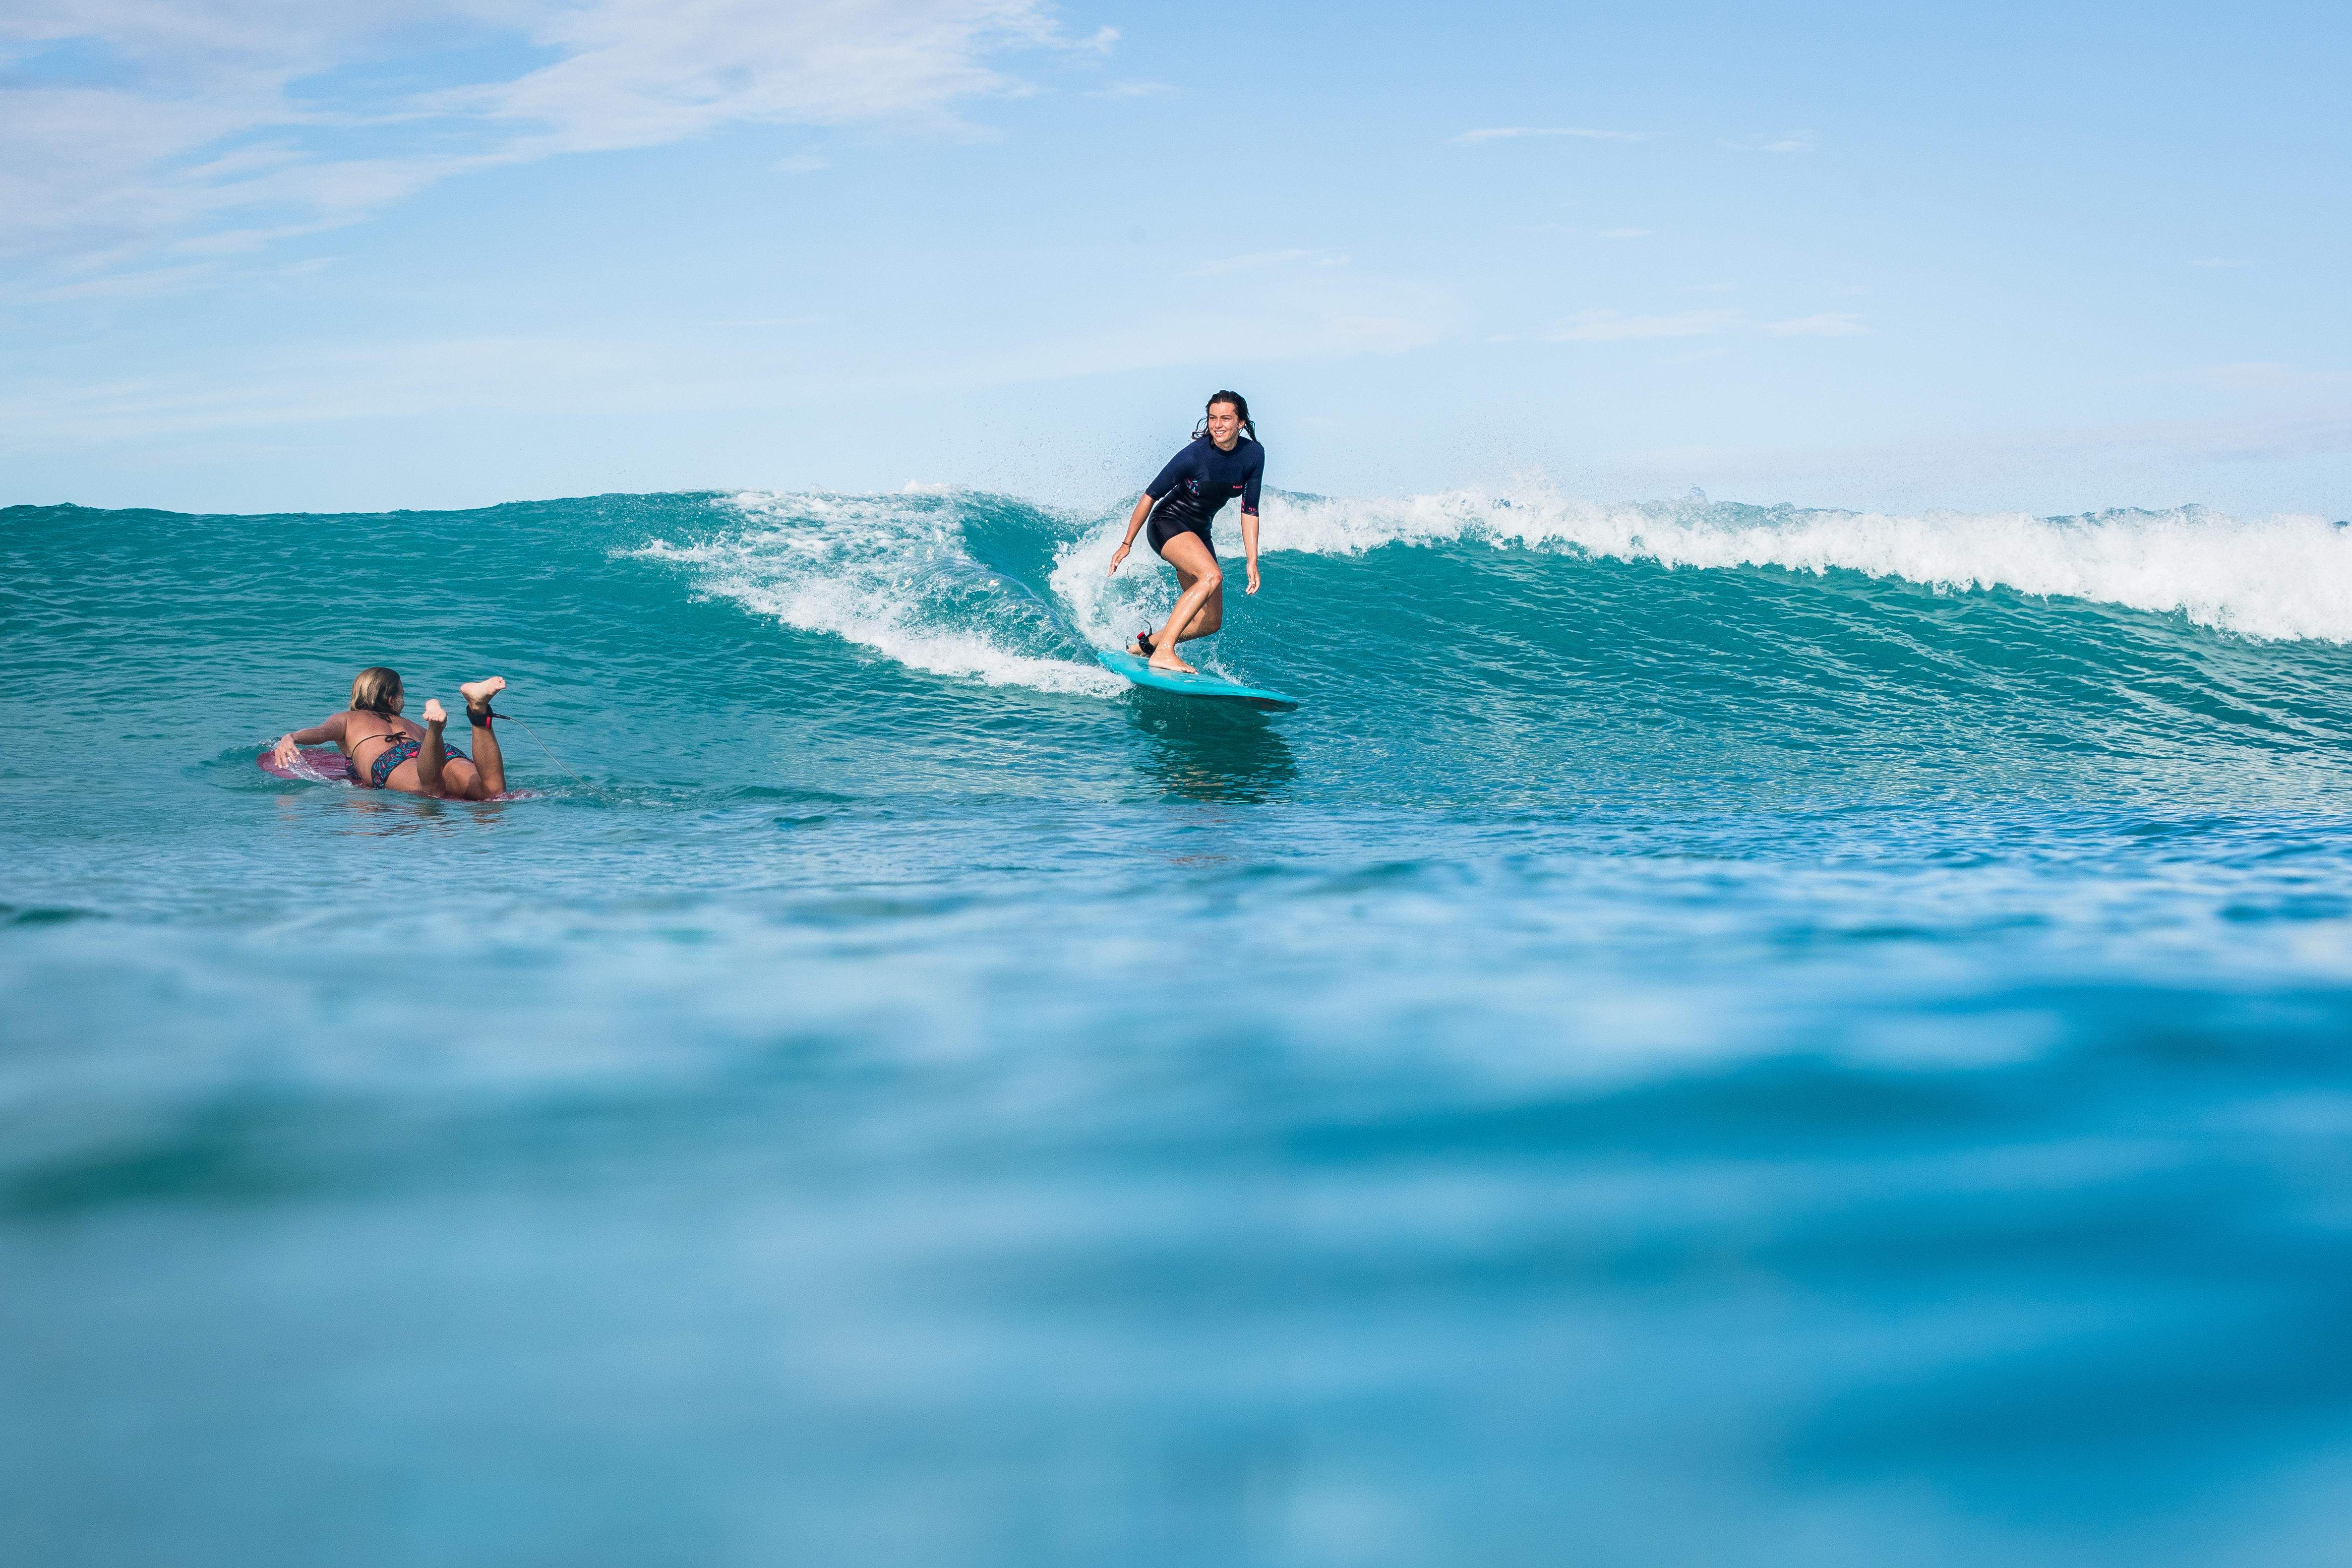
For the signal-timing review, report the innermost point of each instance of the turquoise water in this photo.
(1716, 1034)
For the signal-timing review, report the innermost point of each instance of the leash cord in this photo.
(552, 757)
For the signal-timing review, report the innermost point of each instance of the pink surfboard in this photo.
(311, 764)
(324, 765)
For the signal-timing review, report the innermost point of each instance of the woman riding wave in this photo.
(1181, 503)
(384, 750)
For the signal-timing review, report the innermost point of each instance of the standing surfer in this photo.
(1181, 503)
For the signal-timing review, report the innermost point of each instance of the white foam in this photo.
(1107, 610)
(890, 573)
(2277, 577)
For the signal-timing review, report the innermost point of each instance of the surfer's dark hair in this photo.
(1241, 406)
(375, 691)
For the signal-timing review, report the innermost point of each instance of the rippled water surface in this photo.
(1716, 1035)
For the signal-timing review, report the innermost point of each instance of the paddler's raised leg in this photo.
(433, 756)
(1200, 603)
(489, 762)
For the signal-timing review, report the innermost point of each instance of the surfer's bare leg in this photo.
(1202, 585)
(1208, 619)
(433, 756)
(489, 762)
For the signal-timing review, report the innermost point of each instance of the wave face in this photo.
(1500, 649)
(1717, 1033)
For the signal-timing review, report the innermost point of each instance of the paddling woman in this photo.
(384, 750)
(1224, 460)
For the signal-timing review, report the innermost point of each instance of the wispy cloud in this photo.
(800, 163)
(1133, 89)
(1829, 324)
(1267, 260)
(1624, 234)
(1509, 132)
(198, 126)
(1615, 326)
(1790, 141)
(2269, 378)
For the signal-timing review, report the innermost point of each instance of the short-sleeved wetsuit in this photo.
(1195, 486)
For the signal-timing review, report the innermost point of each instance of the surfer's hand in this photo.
(1115, 557)
(285, 750)
(1253, 581)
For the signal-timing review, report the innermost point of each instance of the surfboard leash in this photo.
(552, 757)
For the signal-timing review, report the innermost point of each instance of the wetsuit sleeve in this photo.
(1249, 489)
(1170, 476)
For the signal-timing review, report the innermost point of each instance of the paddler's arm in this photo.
(1134, 521)
(331, 728)
(1249, 546)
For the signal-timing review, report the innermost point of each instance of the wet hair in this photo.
(375, 690)
(1241, 406)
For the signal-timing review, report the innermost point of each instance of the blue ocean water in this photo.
(1717, 1034)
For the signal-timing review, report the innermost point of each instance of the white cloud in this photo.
(800, 164)
(1267, 260)
(199, 125)
(1615, 326)
(1792, 142)
(1829, 324)
(2265, 378)
(1383, 334)
(1508, 132)
(1133, 89)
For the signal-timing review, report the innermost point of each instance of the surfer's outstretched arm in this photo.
(1134, 521)
(328, 728)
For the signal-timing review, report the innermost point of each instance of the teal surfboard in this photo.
(1137, 669)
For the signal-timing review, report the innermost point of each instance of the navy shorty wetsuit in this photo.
(1195, 486)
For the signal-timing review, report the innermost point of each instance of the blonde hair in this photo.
(375, 690)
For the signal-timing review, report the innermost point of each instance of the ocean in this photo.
(1716, 1034)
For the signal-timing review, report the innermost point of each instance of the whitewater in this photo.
(1717, 1033)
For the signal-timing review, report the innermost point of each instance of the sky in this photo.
(319, 255)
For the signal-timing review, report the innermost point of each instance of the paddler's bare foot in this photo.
(433, 713)
(477, 693)
(1168, 663)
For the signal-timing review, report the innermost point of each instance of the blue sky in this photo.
(266, 254)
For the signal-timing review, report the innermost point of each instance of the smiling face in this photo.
(1225, 425)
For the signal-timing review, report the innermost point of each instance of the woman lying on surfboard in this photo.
(1181, 503)
(388, 752)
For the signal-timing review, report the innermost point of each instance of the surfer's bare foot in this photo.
(477, 693)
(1171, 664)
(433, 713)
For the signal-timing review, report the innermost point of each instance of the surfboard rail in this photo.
(1138, 669)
